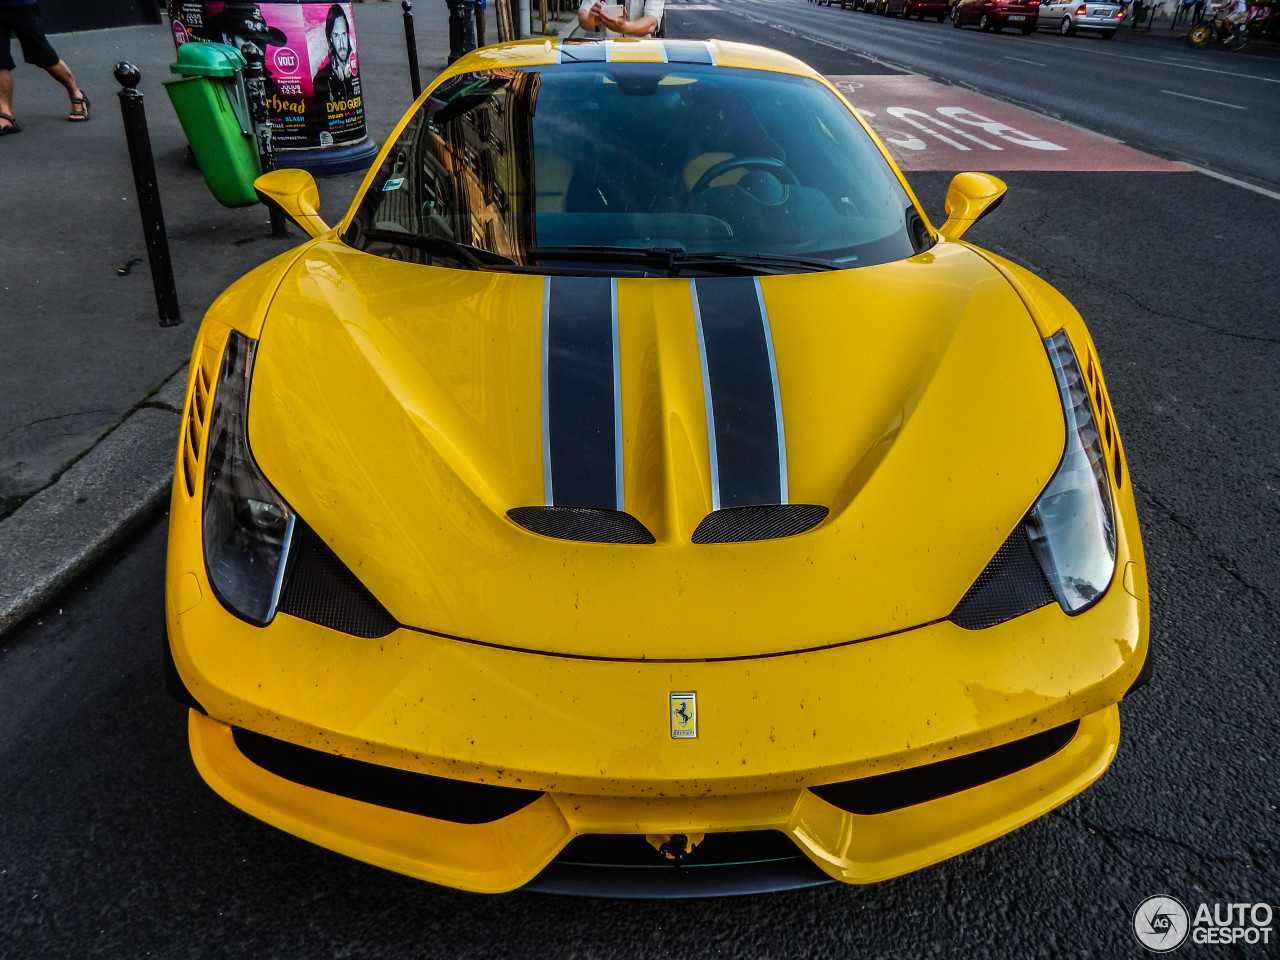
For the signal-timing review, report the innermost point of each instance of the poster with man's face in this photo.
(313, 86)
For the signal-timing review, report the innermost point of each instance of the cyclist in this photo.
(1234, 14)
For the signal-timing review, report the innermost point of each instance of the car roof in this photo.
(723, 53)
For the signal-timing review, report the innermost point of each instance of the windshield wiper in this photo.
(477, 258)
(675, 259)
(777, 263)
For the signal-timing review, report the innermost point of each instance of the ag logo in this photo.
(684, 715)
(1161, 923)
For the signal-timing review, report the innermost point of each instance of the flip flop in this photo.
(13, 125)
(82, 114)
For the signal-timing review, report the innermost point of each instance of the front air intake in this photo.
(421, 794)
(588, 524)
(740, 524)
(885, 792)
(318, 587)
(1012, 584)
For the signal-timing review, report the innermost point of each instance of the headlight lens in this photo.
(247, 525)
(1072, 528)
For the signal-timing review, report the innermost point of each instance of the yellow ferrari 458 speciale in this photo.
(636, 495)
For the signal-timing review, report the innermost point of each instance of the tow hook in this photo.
(675, 846)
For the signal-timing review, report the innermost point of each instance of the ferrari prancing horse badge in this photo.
(684, 715)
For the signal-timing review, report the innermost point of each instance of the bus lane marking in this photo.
(932, 126)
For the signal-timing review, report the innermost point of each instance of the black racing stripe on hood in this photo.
(744, 419)
(580, 429)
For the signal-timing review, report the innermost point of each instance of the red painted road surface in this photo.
(931, 126)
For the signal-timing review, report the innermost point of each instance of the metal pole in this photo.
(411, 42)
(255, 86)
(144, 181)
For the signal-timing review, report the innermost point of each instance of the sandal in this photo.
(12, 127)
(79, 109)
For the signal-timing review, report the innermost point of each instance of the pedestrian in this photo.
(21, 19)
(631, 18)
(1199, 14)
(462, 28)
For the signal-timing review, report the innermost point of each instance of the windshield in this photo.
(647, 167)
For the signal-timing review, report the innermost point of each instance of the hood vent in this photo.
(770, 522)
(590, 524)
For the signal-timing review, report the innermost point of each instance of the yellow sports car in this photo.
(635, 494)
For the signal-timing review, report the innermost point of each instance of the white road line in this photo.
(1163, 63)
(1234, 182)
(1034, 63)
(1217, 103)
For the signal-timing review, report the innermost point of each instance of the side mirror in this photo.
(294, 193)
(970, 197)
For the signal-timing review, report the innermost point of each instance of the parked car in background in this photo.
(915, 8)
(995, 15)
(1068, 16)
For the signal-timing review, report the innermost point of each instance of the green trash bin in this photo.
(213, 108)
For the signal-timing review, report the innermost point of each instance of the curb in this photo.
(117, 486)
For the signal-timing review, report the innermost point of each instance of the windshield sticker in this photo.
(394, 184)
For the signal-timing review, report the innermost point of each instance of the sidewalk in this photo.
(91, 387)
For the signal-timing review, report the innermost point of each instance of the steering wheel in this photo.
(775, 167)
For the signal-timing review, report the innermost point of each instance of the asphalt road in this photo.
(110, 845)
(1212, 108)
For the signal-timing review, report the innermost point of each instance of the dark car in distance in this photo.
(915, 8)
(995, 15)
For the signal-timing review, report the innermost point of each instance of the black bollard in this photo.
(411, 41)
(144, 181)
(255, 85)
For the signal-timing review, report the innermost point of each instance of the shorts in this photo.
(24, 23)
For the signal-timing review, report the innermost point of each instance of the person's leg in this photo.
(6, 78)
(79, 102)
(6, 98)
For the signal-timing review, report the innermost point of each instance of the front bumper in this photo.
(569, 748)
(513, 850)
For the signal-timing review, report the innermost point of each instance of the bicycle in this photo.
(1207, 32)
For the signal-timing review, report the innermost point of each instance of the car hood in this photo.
(399, 409)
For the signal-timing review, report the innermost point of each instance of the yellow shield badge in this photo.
(684, 715)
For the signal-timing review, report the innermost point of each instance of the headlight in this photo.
(1065, 548)
(1071, 527)
(247, 525)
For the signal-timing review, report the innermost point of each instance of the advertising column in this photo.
(313, 89)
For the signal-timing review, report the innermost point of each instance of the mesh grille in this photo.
(1012, 584)
(904, 788)
(458, 801)
(318, 587)
(739, 524)
(582, 523)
